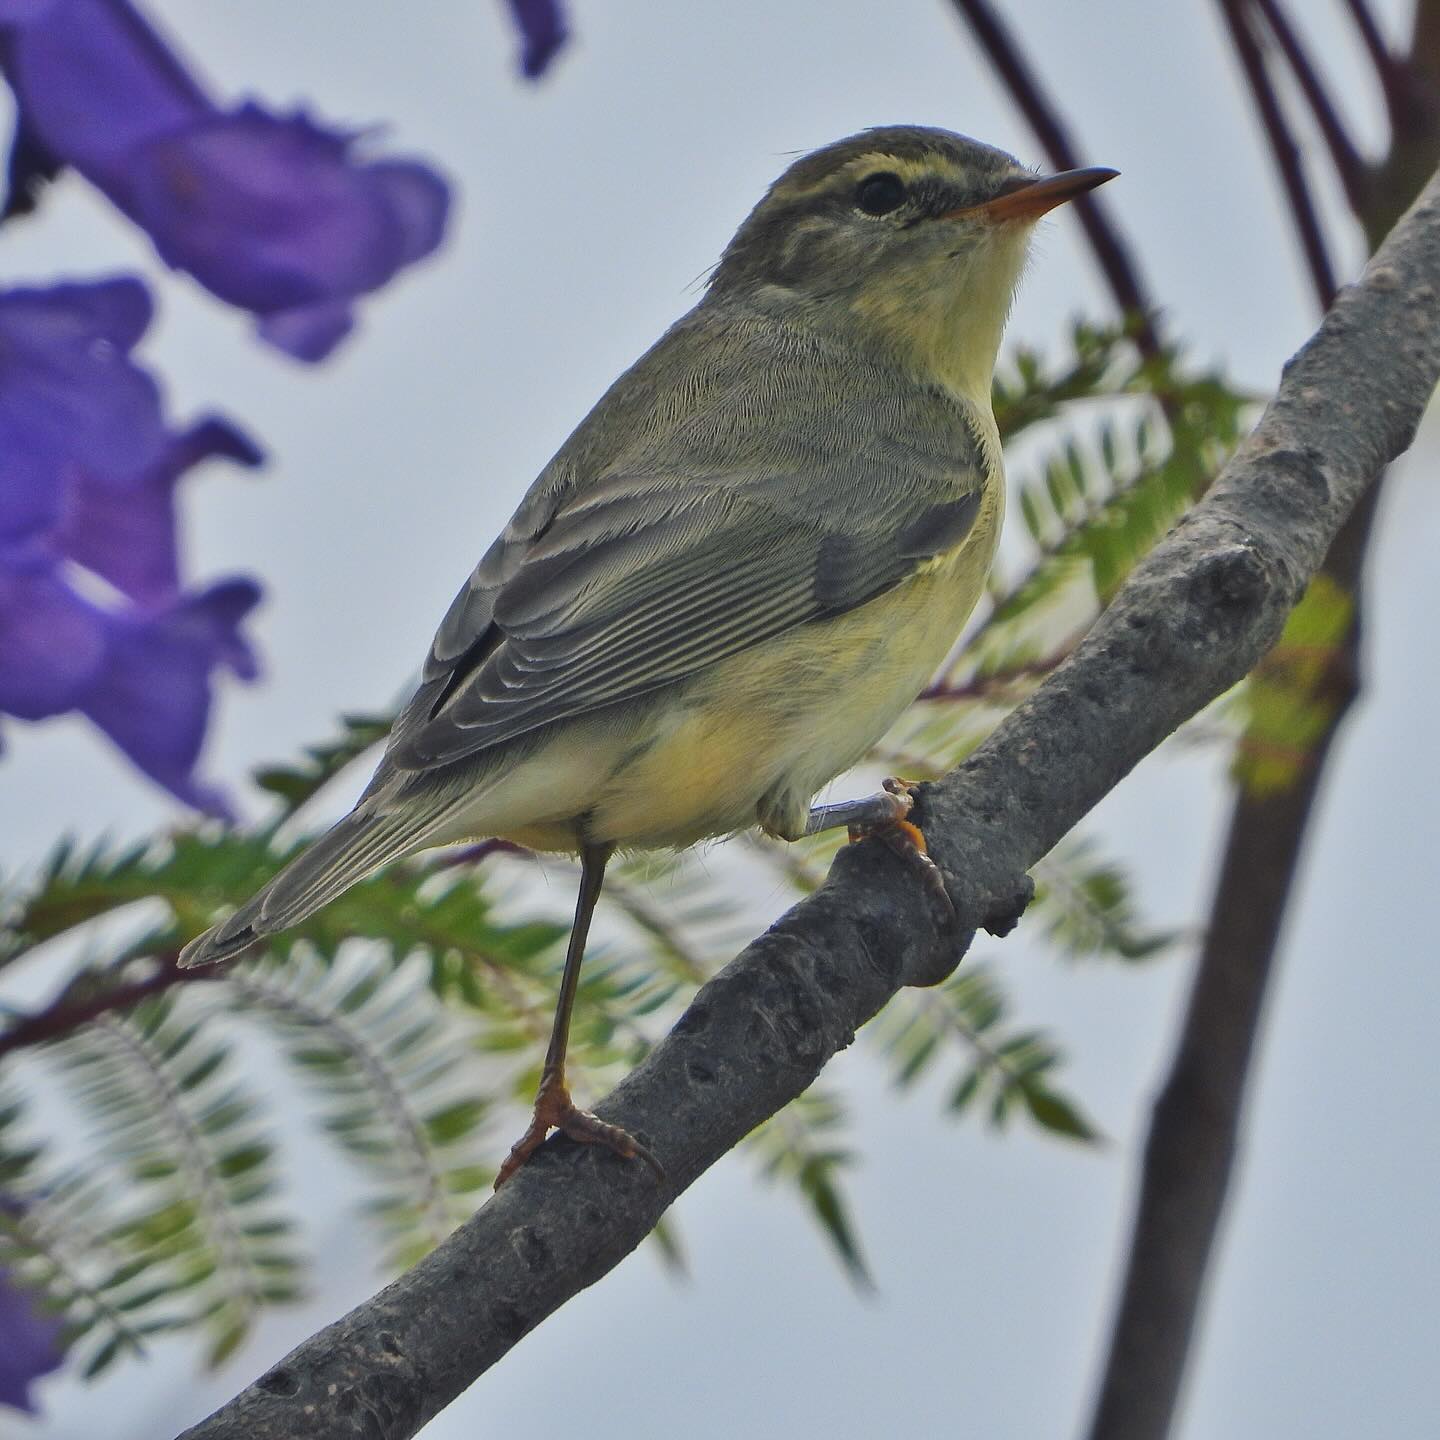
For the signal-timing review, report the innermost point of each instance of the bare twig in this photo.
(981, 687)
(1350, 166)
(1388, 68)
(1111, 252)
(1190, 1153)
(1190, 620)
(1284, 150)
(70, 1012)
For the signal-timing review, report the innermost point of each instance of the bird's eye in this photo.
(880, 194)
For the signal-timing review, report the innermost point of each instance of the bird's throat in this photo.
(944, 320)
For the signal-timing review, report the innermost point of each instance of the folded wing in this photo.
(634, 584)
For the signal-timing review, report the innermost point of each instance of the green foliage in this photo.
(1084, 904)
(407, 1041)
(413, 1011)
(203, 1241)
(800, 1146)
(72, 888)
(1288, 701)
(320, 764)
(1096, 503)
(388, 1064)
(201, 875)
(999, 1069)
(1031, 388)
(55, 1242)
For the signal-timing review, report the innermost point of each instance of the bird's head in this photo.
(905, 236)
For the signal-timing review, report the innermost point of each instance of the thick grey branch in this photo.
(1191, 621)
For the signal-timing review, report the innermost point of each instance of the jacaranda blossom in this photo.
(29, 1345)
(541, 24)
(93, 615)
(275, 214)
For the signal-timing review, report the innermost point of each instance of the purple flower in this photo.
(92, 615)
(142, 675)
(29, 1345)
(274, 214)
(541, 24)
(69, 394)
(124, 531)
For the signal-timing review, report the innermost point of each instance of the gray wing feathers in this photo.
(609, 629)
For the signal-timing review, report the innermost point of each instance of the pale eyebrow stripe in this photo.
(906, 168)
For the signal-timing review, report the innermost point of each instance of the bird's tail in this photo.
(356, 847)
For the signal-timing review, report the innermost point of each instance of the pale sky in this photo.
(588, 206)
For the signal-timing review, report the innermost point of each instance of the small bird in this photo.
(743, 565)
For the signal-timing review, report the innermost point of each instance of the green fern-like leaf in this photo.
(1000, 1069)
(1031, 388)
(296, 784)
(203, 1242)
(395, 1075)
(1087, 908)
(799, 1147)
(54, 1244)
(73, 887)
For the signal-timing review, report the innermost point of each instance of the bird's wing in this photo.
(633, 583)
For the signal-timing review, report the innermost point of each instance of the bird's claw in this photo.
(555, 1110)
(906, 840)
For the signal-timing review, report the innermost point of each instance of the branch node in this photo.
(279, 1381)
(1234, 579)
(1003, 916)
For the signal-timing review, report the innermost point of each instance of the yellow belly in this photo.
(774, 725)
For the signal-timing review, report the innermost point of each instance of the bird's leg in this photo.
(871, 812)
(554, 1109)
(886, 817)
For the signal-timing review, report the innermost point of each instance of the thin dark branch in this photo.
(980, 687)
(1350, 166)
(1111, 253)
(1388, 69)
(69, 1013)
(1193, 618)
(1283, 149)
(1194, 1128)
(470, 855)
(1190, 1154)
(1375, 46)
(1191, 1149)
(1424, 53)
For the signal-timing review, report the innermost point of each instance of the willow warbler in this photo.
(743, 565)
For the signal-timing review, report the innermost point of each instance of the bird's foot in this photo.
(906, 840)
(555, 1110)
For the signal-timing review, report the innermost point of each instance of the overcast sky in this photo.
(588, 206)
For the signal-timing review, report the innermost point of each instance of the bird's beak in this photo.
(1028, 198)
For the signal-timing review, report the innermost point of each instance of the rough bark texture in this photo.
(1191, 621)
